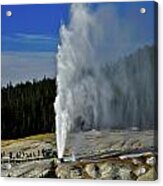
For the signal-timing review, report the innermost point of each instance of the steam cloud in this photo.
(95, 86)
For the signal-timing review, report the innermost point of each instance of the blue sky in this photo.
(32, 27)
(31, 35)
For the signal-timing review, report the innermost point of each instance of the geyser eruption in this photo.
(98, 87)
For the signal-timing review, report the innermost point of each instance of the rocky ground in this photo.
(138, 166)
(112, 155)
(97, 142)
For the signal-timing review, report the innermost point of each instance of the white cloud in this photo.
(34, 36)
(27, 37)
(29, 42)
(23, 66)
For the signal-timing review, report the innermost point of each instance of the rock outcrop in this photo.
(143, 168)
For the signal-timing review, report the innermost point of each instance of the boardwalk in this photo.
(27, 157)
(30, 169)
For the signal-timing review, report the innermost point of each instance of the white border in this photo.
(53, 182)
(3, 2)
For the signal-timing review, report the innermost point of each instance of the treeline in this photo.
(27, 108)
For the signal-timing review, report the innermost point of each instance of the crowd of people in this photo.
(44, 153)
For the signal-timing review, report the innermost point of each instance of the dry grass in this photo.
(40, 137)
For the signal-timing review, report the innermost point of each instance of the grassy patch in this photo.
(39, 137)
